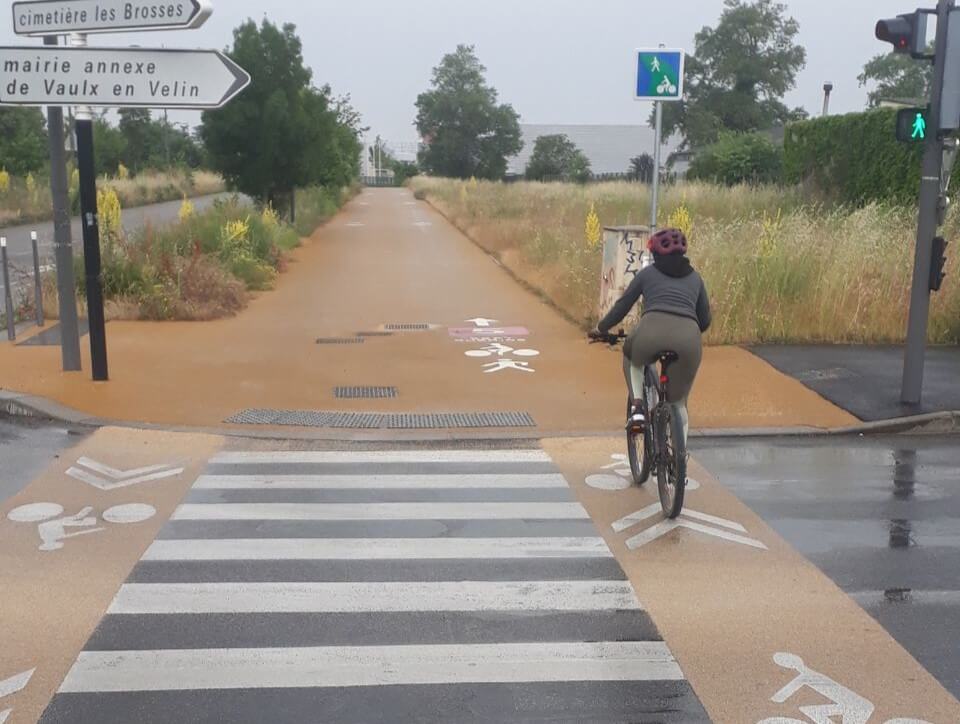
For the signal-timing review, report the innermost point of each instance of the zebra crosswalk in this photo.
(376, 586)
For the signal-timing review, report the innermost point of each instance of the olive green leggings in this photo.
(660, 332)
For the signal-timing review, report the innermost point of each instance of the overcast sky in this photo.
(555, 61)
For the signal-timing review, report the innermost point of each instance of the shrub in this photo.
(737, 159)
(854, 158)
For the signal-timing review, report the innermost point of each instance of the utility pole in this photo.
(62, 237)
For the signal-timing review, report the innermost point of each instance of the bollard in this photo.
(7, 292)
(37, 285)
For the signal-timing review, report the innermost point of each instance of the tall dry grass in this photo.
(778, 268)
(25, 201)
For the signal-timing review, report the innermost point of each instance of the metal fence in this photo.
(21, 283)
(380, 181)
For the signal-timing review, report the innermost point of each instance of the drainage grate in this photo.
(418, 327)
(455, 420)
(374, 334)
(340, 340)
(379, 421)
(364, 393)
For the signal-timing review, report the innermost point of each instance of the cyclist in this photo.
(676, 312)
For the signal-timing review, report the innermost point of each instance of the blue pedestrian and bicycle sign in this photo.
(659, 75)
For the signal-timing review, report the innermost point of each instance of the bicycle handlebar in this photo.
(608, 338)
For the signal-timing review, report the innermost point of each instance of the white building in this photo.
(609, 148)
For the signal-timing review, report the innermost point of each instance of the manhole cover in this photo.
(340, 340)
(379, 421)
(418, 327)
(365, 393)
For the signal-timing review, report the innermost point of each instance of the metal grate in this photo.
(458, 420)
(364, 393)
(418, 327)
(380, 421)
(374, 334)
(340, 340)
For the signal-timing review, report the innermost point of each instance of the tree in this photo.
(557, 157)
(466, 132)
(897, 76)
(23, 140)
(641, 168)
(739, 74)
(141, 135)
(738, 158)
(281, 133)
(110, 147)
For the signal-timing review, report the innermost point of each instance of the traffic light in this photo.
(907, 33)
(937, 263)
(913, 125)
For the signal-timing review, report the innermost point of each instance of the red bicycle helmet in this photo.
(668, 241)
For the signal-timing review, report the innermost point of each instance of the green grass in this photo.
(778, 268)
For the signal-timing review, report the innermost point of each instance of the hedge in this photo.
(738, 158)
(854, 158)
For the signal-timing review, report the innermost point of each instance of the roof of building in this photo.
(609, 148)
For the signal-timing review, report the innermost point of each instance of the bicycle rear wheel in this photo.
(638, 448)
(672, 459)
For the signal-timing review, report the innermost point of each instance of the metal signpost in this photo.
(112, 78)
(931, 126)
(55, 17)
(659, 78)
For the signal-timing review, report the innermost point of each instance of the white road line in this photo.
(637, 517)
(98, 467)
(338, 666)
(667, 526)
(199, 598)
(376, 482)
(384, 456)
(15, 683)
(354, 549)
(381, 511)
(723, 522)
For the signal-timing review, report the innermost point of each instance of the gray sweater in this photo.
(683, 296)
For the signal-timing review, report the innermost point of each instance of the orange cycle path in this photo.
(388, 259)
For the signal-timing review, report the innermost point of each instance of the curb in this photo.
(17, 404)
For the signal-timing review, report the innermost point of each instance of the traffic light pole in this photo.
(930, 191)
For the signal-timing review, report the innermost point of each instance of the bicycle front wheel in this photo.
(672, 459)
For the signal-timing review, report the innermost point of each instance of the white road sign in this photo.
(54, 17)
(118, 77)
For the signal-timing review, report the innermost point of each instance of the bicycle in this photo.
(659, 447)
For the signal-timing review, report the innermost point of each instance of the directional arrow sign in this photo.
(54, 17)
(118, 77)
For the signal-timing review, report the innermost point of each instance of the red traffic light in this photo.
(907, 33)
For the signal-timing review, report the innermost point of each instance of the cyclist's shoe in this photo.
(636, 422)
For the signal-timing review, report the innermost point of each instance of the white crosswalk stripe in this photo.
(495, 592)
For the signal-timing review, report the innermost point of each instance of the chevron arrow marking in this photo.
(113, 479)
(12, 686)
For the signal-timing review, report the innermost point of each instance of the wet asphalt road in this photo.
(880, 516)
(26, 448)
(20, 251)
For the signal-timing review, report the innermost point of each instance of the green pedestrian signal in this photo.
(919, 127)
(913, 125)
